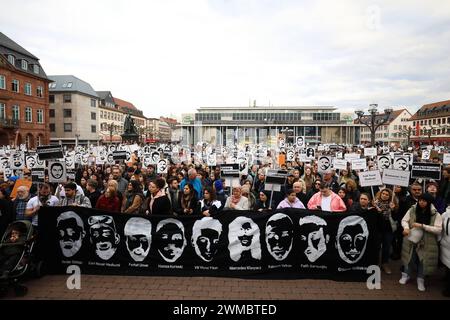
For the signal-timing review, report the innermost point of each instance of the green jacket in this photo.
(427, 249)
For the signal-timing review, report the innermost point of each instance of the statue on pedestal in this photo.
(129, 129)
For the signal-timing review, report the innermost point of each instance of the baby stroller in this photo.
(26, 263)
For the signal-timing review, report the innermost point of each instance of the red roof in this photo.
(124, 104)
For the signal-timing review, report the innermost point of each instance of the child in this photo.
(11, 251)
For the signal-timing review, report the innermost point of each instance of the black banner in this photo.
(276, 176)
(120, 155)
(290, 243)
(38, 175)
(426, 170)
(229, 170)
(50, 152)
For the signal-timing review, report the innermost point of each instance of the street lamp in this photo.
(372, 120)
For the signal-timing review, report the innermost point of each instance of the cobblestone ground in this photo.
(203, 288)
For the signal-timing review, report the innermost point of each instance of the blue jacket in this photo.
(197, 183)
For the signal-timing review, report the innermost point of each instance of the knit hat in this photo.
(13, 178)
(427, 197)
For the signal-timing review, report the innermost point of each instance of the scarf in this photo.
(185, 200)
(159, 194)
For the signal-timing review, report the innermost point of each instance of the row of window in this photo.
(28, 113)
(67, 113)
(106, 127)
(111, 115)
(266, 116)
(23, 64)
(435, 121)
(68, 127)
(15, 87)
(67, 98)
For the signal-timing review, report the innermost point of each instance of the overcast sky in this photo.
(172, 56)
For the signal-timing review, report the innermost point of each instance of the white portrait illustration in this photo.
(401, 163)
(70, 228)
(205, 237)
(324, 163)
(243, 238)
(314, 237)
(138, 238)
(103, 236)
(384, 162)
(352, 239)
(30, 161)
(171, 235)
(147, 160)
(279, 236)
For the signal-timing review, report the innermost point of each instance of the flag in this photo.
(417, 129)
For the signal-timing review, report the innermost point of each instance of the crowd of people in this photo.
(410, 220)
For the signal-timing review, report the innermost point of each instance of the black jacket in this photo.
(93, 197)
(160, 205)
(192, 205)
(6, 215)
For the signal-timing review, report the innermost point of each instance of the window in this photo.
(28, 114)
(69, 84)
(93, 129)
(40, 91)
(67, 113)
(67, 98)
(11, 59)
(93, 116)
(51, 98)
(28, 89)
(40, 116)
(2, 111)
(2, 82)
(15, 85)
(15, 112)
(39, 140)
(93, 104)
(52, 127)
(51, 113)
(24, 64)
(67, 127)
(395, 127)
(52, 85)
(36, 68)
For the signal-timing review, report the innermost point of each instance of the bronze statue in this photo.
(128, 125)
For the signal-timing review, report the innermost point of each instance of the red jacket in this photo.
(109, 204)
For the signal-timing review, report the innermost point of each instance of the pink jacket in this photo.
(337, 205)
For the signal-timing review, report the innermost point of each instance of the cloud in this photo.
(171, 57)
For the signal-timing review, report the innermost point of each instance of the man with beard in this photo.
(103, 235)
(314, 237)
(20, 202)
(243, 239)
(43, 199)
(205, 237)
(351, 238)
(171, 234)
(138, 233)
(71, 232)
(279, 236)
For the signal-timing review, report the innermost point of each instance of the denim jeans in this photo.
(414, 263)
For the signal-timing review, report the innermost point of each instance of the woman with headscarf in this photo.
(422, 224)
(236, 201)
(263, 202)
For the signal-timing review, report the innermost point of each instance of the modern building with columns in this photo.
(264, 125)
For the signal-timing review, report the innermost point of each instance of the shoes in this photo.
(386, 268)
(404, 279)
(421, 284)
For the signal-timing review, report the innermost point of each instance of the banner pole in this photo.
(393, 193)
(271, 196)
(373, 196)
